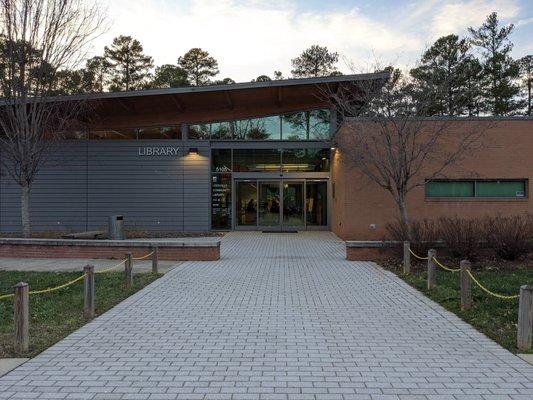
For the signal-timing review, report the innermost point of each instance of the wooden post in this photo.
(88, 290)
(466, 285)
(432, 269)
(128, 271)
(525, 318)
(154, 260)
(21, 317)
(406, 258)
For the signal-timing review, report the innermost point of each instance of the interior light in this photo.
(333, 148)
(193, 150)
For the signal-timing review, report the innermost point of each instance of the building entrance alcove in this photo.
(281, 204)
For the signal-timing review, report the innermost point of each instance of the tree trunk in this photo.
(404, 218)
(25, 209)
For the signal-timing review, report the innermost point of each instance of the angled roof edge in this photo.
(458, 118)
(216, 88)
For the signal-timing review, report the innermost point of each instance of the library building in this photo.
(265, 156)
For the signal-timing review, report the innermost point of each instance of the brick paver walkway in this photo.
(280, 316)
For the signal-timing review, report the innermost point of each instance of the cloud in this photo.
(456, 17)
(250, 39)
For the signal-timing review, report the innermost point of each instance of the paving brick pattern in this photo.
(280, 316)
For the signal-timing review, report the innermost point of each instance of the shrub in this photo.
(462, 236)
(424, 234)
(510, 236)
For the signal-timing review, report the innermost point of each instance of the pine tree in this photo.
(169, 76)
(442, 75)
(315, 61)
(129, 66)
(499, 68)
(99, 68)
(199, 65)
(526, 73)
(472, 91)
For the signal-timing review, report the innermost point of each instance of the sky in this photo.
(251, 37)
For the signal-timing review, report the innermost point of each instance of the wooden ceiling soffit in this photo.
(229, 100)
(126, 105)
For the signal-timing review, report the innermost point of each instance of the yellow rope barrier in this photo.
(110, 268)
(6, 296)
(143, 257)
(500, 296)
(445, 267)
(417, 256)
(79, 278)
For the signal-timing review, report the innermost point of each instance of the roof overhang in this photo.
(216, 102)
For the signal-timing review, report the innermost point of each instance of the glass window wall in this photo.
(221, 160)
(304, 125)
(306, 160)
(256, 160)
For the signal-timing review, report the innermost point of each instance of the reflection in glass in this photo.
(221, 201)
(246, 204)
(269, 204)
(316, 201)
(114, 134)
(253, 160)
(293, 203)
(306, 160)
(265, 128)
(221, 130)
(294, 126)
(199, 132)
(160, 132)
(221, 160)
(319, 123)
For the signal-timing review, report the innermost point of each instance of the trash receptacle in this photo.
(116, 227)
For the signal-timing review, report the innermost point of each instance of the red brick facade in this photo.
(361, 209)
(200, 253)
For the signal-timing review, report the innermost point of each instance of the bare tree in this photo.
(387, 136)
(39, 39)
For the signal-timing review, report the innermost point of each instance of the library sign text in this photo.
(159, 151)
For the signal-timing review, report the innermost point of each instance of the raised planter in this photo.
(171, 250)
(368, 250)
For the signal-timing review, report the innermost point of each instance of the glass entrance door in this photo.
(269, 204)
(276, 204)
(293, 205)
(246, 204)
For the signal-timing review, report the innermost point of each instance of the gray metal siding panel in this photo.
(57, 199)
(90, 180)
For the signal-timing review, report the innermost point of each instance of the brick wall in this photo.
(200, 253)
(363, 209)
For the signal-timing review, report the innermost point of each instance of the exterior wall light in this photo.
(193, 150)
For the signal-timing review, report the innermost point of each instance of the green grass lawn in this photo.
(494, 317)
(55, 315)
